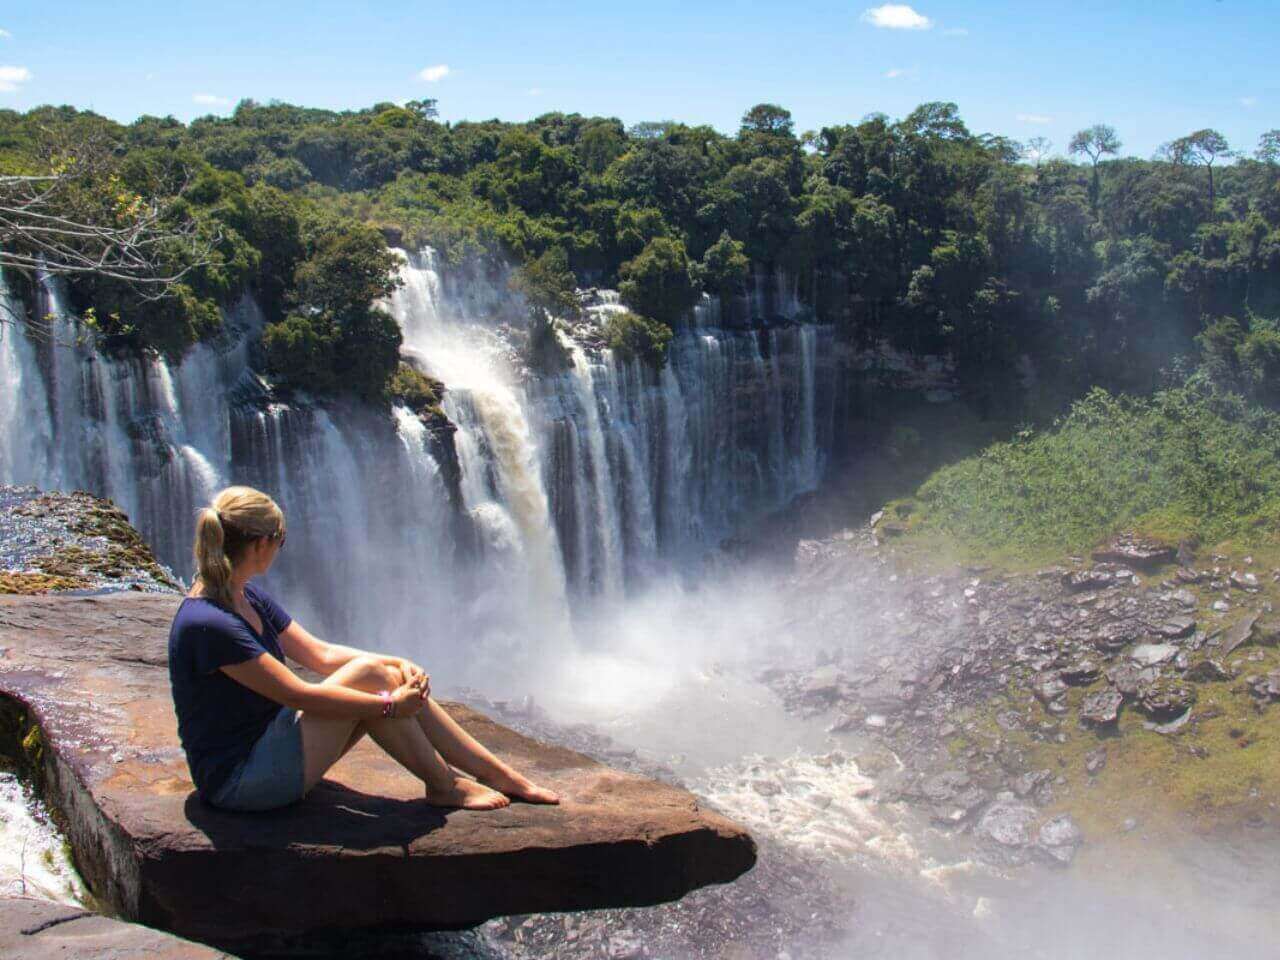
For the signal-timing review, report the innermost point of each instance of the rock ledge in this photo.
(88, 675)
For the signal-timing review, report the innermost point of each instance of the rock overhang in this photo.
(362, 851)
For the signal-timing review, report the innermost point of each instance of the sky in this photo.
(1155, 69)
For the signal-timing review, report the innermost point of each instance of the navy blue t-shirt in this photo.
(219, 720)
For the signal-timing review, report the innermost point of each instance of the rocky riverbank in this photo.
(1031, 713)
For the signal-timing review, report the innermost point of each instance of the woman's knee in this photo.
(369, 673)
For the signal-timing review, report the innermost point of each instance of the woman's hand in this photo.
(407, 700)
(412, 673)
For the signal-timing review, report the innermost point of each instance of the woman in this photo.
(258, 736)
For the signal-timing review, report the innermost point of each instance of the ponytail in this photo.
(224, 530)
(212, 563)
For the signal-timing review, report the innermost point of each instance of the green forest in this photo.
(1104, 271)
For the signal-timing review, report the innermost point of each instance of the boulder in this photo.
(1167, 699)
(1136, 551)
(1007, 821)
(1080, 673)
(1177, 627)
(1101, 709)
(43, 930)
(84, 686)
(1152, 654)
(1237, 635)
(1207, 671)
(1059, 839)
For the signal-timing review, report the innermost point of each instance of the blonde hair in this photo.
(224, 530)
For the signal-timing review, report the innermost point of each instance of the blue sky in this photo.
(1155, 69)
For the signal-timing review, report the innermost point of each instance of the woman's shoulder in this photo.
(200, 615)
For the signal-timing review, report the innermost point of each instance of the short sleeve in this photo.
(214, 647)
(268, 609)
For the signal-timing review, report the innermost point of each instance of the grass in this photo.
(1185, 463)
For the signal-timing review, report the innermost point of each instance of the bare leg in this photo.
(468, 754)
(326, 739)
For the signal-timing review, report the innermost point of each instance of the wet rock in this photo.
(1134, 550)
(1095, 760)
(1167, 698)
(1102, 708)
(1247, 582)
(1173, 726)
(1027, 784)
(1060, 838)
(1117, 635)
(1266, 632)
(1129, 678)
(1080, 673)
(1237, 635)
(1264, 688)
(823, 683)
(1177, 628)
(1007, 821)
(945, 785)
(41, 930)
(1153, 654)
(1048, 687)
(1207, 671)
(1097, 578)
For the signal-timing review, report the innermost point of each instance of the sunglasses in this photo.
(279, 538)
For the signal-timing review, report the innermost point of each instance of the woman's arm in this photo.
(267, 676)
(301, 645)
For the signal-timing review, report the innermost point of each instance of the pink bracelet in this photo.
(388, 705)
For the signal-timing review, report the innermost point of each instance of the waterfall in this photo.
(558, 487)
(26, 429)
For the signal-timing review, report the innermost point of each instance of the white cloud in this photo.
(896, 16)
(434, 73)
(1037, 118)
(897, 73)
(1248, 101)
(4, 34)
(13, 77)
(210, 100)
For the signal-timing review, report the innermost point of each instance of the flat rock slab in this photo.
(362, 851)
(42, 930)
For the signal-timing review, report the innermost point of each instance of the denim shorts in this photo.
(273, 775)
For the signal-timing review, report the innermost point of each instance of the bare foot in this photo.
(522, 788)
(467, 795)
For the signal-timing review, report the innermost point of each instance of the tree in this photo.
(724, 267)
(424, 109)
(550, 289)
(656, 283)
(1037, 149)
(769, 119)
(73, 215)
(1201, 148)
(1269, 147)
(1095, 142)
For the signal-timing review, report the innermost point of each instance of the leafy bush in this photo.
(415, 390)
(630, 335)
(657, 283)
(1187, 461)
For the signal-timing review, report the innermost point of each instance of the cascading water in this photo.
(587, 483)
